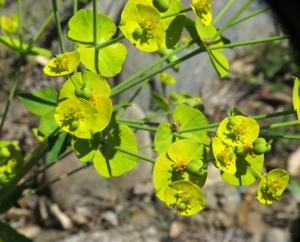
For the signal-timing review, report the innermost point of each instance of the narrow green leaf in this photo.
(58, 145)
(121, 104)
(159, 101)
(48, 123)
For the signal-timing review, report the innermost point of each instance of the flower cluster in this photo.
(9, 25)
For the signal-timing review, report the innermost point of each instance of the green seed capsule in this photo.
(233, 120)
(75, 125)
(181, 206)
(87, 94)
(174, 96)
(78, 92)
(87, 85)
(162, 5)
(260, 146)
(138, 32)
(277, 194)
(194, 168)
(5, 152)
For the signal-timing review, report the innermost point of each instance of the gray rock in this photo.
(111, 217)
(276, 235)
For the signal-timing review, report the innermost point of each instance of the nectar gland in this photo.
(181, 164)
(204, 5)
(149, 25)
(63, 61)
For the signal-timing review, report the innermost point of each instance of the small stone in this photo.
(111, 217)
(30, 231)
(275, 235)
(176, 229)
(294, 164)
(151, 231)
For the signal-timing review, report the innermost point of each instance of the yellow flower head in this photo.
(202, 9)
(9, 25)
(204, 5)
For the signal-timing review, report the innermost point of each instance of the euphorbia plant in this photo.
(81, 115)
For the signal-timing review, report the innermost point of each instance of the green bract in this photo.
(203, 11)
(296, 96)
(62, 64)
(186, 195)
(109, 162)
(184, 117)
(166, 33)
(76, 109)
(272, 186)
(170, 166)
(105, 61)
(225, 157)
(218, 60)
(245, 132)
(15, 45)
(11, 160)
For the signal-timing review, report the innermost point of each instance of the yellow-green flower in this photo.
(166, 78)
(2, 2)
(187, 196)
(202, 9)
(238, 130)
(272, 186)
(9, 25)
(145, 28)
(296, 96)
(186, 40)
(76, 116)
(225, 158)
(62, 64)
(100, 96)
(11, 160)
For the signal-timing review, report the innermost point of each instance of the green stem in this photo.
(249, 16)
(20, 24)
(140, 127)
(252, 42)
(59, 32)
(277, 136)
(111, 42)
(145, 146)
(156, 63)
(54, 181)
(38, 33)
(8, 188)
(160, 115)
(75, 9)
(179, 12)
(129, 152)
(182, 59)
(12, 91)
(252, 168)
(198, 128)
(48, 166)
(70, 76)
(220, 31)
(222, 12)
(132, 121)
(184, 137)
(273, 126)
(95, 19)
(211, 130)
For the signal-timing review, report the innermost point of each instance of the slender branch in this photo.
(111, 42)
(140, 127)
(12, 91)
(75, 9)
(20, 23)
(59, 32)
(222, 12)
(184, 137)
(176, 13)
(252, 42)
(145, 146)
(276, 136)
(159, 115)
(273, 126)
(54, 181)
(253, 169)
(38, 33)
(129, 152)
(220, 31)
(249, 16)
(184, 58)
(158, 62)
(95, 18)
(132, 121)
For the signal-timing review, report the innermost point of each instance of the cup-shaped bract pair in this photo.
(272, 185)
(9, 25)
(170, 166)
(202, 9)
(83, 118)
(62, 64)
(11, 160)
(146, 28)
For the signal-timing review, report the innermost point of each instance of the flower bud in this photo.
(162, 5)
